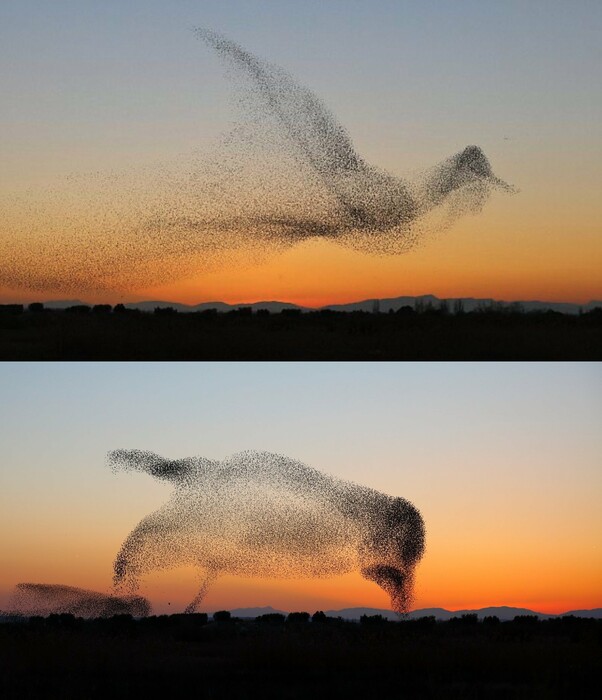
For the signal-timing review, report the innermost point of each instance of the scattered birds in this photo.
(288, 173)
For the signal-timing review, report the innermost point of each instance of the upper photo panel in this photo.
(251, 180)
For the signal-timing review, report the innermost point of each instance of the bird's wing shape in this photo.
(306, 121)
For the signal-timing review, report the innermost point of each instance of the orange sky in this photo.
(453, 575)
(476, 259)
(532, 245)
(504, 253)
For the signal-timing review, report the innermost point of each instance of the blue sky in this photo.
(91, 84)
(400, 427)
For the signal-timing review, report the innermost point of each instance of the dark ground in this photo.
(100, 333)
(173, 656)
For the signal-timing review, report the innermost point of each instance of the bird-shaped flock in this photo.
(147, 226)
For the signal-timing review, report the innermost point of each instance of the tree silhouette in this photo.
(222, 616)
(298, 618)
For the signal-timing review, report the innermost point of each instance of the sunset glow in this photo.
(86, 164)
(501, 459)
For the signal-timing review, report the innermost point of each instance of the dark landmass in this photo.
(503, 612)
(300, 656)
(466, 304)
(421, 332)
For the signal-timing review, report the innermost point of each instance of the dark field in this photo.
(100, 333)
(66, 657)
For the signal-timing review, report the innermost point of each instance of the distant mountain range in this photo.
(370, 305)
(503, 613)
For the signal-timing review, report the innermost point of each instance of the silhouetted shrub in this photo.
(11, 308)
(405, 311)
(198, 618)
(466, 620)
(271, 619)
(101, 308)
(222, 616)
(66, 620)
(78, 309)
(372, 620)
(36, 307)
(298, 618)
(526, 619)
(458, 307)
(131, 313)
(491, 620)
(319, 616)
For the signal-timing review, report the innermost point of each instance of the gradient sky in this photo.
(91, 86)
(503, 460)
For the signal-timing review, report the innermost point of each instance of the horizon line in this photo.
(309, 306)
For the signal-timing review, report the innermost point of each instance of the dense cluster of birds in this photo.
(286, 174)
(47, 599)
(254, 514)
(259, 514)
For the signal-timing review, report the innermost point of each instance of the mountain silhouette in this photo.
(503, 612)
(256, 612)
(385, 305)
